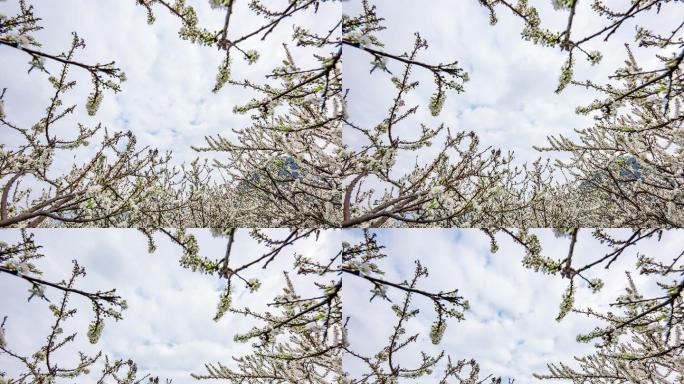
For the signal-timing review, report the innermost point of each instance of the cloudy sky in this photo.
(167, 100)
(168, 328)
(511, 328)
(509, 101)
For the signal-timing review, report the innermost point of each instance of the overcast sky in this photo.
(511, 328)
(167, 100)
(509, 101)
(168, 328)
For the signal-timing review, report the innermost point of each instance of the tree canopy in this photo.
(307, 154)
(292, 167)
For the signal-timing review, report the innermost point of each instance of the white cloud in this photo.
(168, 328)
(510, 329)
(509, 101)
(167, 100)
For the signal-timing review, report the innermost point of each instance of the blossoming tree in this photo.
(48, 364)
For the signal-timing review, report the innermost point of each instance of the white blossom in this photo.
(3, 341)
(380, 290)
(216, 4)
(364, 269)
(37, 290)
(560, 4)
(359, 38)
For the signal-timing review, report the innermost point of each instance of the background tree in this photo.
(299, 334)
